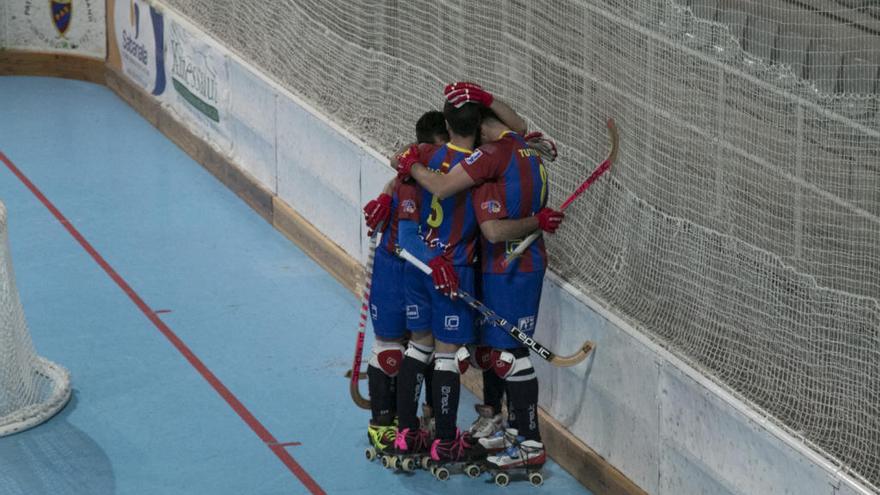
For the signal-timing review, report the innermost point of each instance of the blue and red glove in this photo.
(549, 219)
(443, 273)
(377, 211)
(465, 92)
(406, 160)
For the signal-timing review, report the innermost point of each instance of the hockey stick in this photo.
(355, 371)
(519, 335)
(601, 169)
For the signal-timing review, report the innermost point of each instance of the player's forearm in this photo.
(510, 118)
(442, 185)
(508, 229)
(433, 183)
(408, 239)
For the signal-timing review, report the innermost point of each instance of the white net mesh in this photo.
(741, 222)
(32, 388)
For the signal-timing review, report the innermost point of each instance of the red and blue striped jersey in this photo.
(512, 184)
(449, 225)
(389, 233)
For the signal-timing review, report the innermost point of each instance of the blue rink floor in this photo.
(260, 405)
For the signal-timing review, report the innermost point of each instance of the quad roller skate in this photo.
(409, 452)
(462, 451)
(488, 422)
(381, 440)
(524, 456)
(498, 441)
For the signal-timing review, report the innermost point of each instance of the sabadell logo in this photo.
(131, 45)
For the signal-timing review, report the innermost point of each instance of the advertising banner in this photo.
(199, 80)
(55, 25)
(137, 46)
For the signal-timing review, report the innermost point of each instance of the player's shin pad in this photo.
(519, 335)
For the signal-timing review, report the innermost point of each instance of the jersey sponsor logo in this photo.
(491, 206)
(408, 206)
(451, 322)
(374, 312)
(526, 324)
(436, 243)
(412, 312)
(471, 159)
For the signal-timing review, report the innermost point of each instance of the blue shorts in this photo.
(387, 308)
(451, 321)
(515, 297)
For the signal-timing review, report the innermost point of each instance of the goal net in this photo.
(32, 388)
(740, 225)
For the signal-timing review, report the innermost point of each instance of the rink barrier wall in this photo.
(650, 419)
(63, 65)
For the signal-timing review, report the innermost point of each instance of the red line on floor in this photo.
(203, 370)
(287, 444)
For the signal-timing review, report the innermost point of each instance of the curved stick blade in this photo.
(577, 357)
(356, 396)
(615, 140)
(361, 376)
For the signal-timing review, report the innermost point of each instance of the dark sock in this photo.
(393, 401)
(493, 390)
(524, 397)
(429, 396)
(409, 387)
(382, 396)
(447, 391)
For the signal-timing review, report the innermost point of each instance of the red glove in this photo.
(464, 92)
(377, 211)
(549, 219)
(443, 273)
(406, 160)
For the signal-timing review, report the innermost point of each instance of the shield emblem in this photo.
(61, 13)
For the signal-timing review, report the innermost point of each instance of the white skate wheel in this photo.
(408, 464)
(371, 454)
(502, 479)
(441, 473)
(426, 463)
(472, 470)
(536, 479)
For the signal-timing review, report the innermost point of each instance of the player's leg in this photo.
(389, 325)
(417, 358)
(427, 418)
(489, 418)
(516, 297)
(453, 328)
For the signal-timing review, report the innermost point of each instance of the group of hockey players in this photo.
(471, 189)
